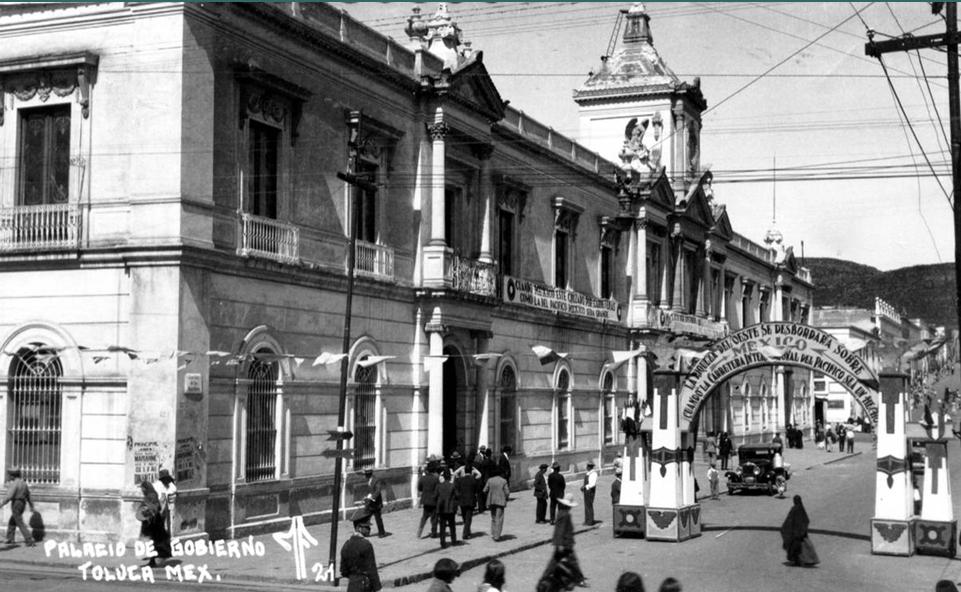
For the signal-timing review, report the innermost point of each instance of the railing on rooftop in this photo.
(762, 253)
(40, 228)
(267, 238)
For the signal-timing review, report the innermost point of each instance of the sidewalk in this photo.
(402, 559)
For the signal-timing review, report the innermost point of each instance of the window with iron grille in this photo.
(563, 409)
(508, 405)
(610, 408)
(264, 153)
(262, 420)
(365, 417)
(34, 424)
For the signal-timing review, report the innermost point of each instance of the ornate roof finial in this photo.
(638, 25)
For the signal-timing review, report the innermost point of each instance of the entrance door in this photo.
(452, 385)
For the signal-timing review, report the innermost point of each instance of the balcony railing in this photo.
(267, 238)
(472, 276)
(376, 261)
(40, 228)
(804, 274)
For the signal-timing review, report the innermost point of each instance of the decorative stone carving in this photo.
(438, 131)
(641, 154)
(59, 76)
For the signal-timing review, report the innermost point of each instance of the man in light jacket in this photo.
(497, 492)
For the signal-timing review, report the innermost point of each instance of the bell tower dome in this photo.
(634, 96)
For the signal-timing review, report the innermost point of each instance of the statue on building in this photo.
(641, 153)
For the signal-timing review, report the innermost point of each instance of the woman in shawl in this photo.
(794, 536)
(152, 522)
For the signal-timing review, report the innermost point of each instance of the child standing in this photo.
(713, 478)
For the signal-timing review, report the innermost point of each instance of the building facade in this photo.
(173, 214)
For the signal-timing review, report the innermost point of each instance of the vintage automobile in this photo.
(760, 467)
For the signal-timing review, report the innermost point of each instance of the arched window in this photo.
(365, 416)
(263, 399)
(507, 390)
(562, 395)
(34, 424)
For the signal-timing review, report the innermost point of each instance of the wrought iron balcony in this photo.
(472, 276)
(376, 261)
(267, 238)
(40, 228)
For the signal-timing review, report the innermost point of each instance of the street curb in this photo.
(472, 563)
(839, 459)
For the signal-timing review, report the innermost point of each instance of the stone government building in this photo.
(173, 259)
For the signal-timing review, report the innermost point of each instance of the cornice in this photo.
(511, 136)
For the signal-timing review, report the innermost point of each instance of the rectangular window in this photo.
(261, 429)
(44, 155)
(508, 414)
(563, 421)
(691, 281)
(452, 200)
(263, 153)
(505, 242)
(607, 271)
(365, 418)
(765, 306)
(835, 403)
(716, 295)
(561, 248)
(820, 382)
(365, 204)
(610, 415)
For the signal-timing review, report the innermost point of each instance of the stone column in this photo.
(640, 280)
(483, 153)
(435, 396)
(704, 294)
(435, 253)
(779, 316)
(679, 302)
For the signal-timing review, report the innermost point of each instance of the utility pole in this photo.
(948, 40)
(354, 182)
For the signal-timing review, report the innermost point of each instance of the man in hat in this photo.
(375, 500)
(540, 494)
(357, 562)
(427, 486)
(564, 540)
(616, 486)
(18, 494)
(497, 492)
(167, 494)
(589, 488)
(555, 487)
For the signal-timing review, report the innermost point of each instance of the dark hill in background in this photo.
(922, 291)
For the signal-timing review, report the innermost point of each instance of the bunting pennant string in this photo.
(328, 358)
(546, 355)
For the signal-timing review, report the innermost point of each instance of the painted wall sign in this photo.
(533, 294)
(193, 383)
(787, 344)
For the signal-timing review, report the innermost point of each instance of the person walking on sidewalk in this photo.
(375, 500)
(483, 465)
(467, 490)
(427, 486)
(616, 486)
(497, 491)
(446, 509)
(589, 488)
(18, 495)
(540, 494)
(842, 434)
(850, 440)
(357, 561)
(564, 540)
(724, 448)
(150, 515)
(555, 487)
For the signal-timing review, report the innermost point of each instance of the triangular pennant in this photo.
(328, 358)
(373, 361)
(546, 355)
(298, 361)
(485, 359)
(98, 359)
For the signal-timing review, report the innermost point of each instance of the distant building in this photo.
(173, 257)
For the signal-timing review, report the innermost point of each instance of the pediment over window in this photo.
(270, 99)
(566, 214)
(42, 77)
(695, 207)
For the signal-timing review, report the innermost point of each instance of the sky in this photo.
(795, 108)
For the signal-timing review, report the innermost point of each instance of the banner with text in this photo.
(533, 294)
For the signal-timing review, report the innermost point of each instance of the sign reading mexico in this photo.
(533, 294)
(779, 343)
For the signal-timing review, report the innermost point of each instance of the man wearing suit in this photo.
(483, 466)
(427, 486)
(555, 488)
(504, 463)
(357, 562)
(540, 494)
(589, 488)
(467, 488)
(497, 492)
(375, 500)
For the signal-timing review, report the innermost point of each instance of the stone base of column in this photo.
(629, 519)
(664, 524)
(932, 537)
(435, 267)
(693, 520)
(892, 537)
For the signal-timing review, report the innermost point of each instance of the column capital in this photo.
(438, 130)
